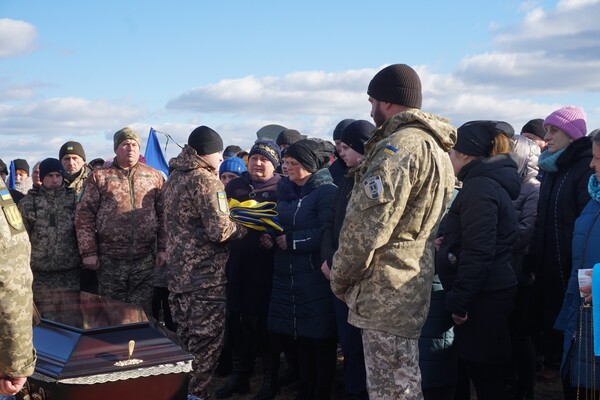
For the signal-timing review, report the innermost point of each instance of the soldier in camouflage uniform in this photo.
(48, 214)
(198, 225)
(72, 158)
(17, 356)
(119, 224)
(384, 263)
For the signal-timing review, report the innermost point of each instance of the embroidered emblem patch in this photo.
(373, 187)
(222, 200)
(390, 150)
(13, 217)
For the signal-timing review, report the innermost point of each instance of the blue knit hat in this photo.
(233, 164)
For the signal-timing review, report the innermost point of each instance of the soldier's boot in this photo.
(238, 382)
(270, 385)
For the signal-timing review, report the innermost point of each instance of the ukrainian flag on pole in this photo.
(154, 155)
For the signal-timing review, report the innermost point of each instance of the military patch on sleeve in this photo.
(373, 187)
(222, 200)
(390, 150)
(13, 217)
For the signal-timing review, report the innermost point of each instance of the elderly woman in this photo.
(249, 277)
(575, 318)
(474, 259)
(563, 195)
(301, 309)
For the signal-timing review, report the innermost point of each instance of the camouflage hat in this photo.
(124, 134)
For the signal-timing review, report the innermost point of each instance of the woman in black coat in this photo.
(474, 258)
(563, 195)
(301, 310)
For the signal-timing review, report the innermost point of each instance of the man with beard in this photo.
(385, 259)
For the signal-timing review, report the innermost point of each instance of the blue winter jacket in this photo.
(575, 365)
(301, 304)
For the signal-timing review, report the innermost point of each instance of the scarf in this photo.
(594, 188)
(547, 160)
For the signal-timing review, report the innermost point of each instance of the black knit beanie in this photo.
(205, 140)
(308, 153)
(535, 126)
(339, 128)
(397, 84)
(21, 164)
(50, 165)
(289, 137)
(476, 138)
(267, 148)
(356, 134)
(3, 168)
(71, 148)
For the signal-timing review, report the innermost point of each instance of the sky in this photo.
(82, 70)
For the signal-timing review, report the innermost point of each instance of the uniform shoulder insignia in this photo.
(222, 201)
(373, 187)
(13, 217)
(390, 150)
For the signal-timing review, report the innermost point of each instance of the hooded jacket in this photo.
(384, 263)
(479, 232)
(197, 225)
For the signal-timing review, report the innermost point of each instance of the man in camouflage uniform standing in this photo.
(48, 214)
(383, 267)
(119, 224)
(198, 225)
(17, 356)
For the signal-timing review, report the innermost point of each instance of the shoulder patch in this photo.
(373, 187)
(222, 200)
(13, 217)
(390, 150)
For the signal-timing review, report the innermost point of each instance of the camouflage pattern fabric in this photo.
(48, 215)
(120, 214)
(17, 356)
(197, 225)
(384, 263)
(130, 281)
(392, 365)
(76, 181)
(200, 319)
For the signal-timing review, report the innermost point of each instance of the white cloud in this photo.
(16, 37)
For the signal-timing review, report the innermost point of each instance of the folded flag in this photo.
(254, 215)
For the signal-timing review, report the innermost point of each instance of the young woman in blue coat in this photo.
(301, 310)
(575, 318)
(474, 258)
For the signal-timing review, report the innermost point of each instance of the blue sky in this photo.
(81, 70)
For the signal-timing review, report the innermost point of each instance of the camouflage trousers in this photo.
(392, 364)
(200, 320)
(69, 279)
(130, 281)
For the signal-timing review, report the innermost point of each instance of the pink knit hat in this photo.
(569, 119)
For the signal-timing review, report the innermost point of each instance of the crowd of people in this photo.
(437, 258)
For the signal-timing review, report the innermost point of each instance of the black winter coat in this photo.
(563, 196)
(301, 304)
(250, 266)
(480, 230)
(331, 231)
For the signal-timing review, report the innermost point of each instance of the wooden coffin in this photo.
(83, 343)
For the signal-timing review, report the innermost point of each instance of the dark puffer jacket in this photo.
(479, 233)
(563, 195)
(301, 303)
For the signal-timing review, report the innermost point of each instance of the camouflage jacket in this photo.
(197, 224)
(77, 180)
(385, 261)
(120, 214)
(17, 356)
(49, 219)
